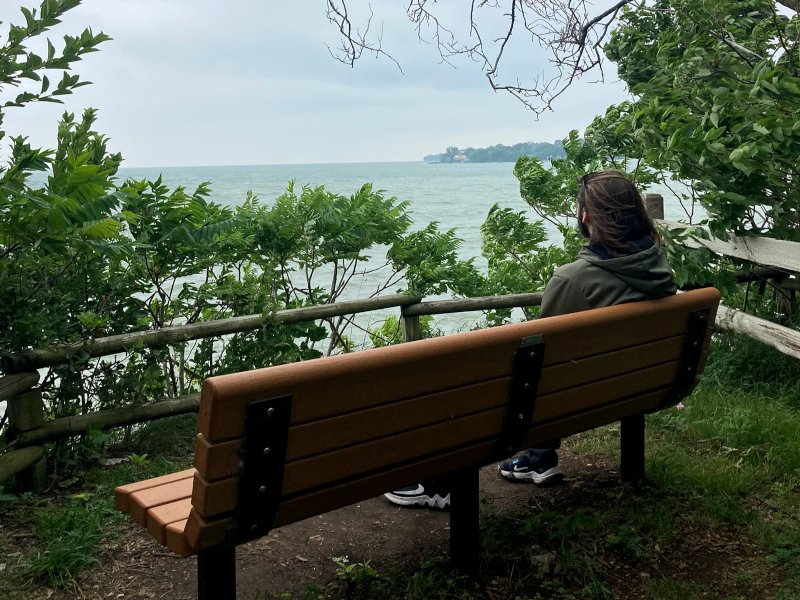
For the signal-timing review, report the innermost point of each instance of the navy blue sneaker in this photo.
(430, 494)
(539, 466)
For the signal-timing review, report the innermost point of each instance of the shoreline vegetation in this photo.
(498, 153)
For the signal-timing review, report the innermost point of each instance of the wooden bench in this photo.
(284, 443)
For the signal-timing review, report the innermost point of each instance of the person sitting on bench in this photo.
(623, 262)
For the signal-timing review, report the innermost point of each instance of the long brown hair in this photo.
(616, 211)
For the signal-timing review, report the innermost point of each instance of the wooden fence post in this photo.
(655, 206)
(25, 411)
(785, 294)
(411, 329)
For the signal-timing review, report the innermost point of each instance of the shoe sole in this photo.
(427, 501)
(548, 476)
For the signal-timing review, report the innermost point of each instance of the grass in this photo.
(434, 581)
(70, 538)
(71, 530)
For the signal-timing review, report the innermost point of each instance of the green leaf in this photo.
(713, 134)
(29, 18)
(791, 86)
(760, 129)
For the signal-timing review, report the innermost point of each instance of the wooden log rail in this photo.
(781, 258)
(781, 338)
(768, 252)
(115, 417)
(780, 254)
(30, 360)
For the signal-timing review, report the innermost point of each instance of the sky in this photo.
(207, 82)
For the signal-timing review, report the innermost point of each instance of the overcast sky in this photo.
(207, 82)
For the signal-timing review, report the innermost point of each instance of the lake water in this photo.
(456, 195)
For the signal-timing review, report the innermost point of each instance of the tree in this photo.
(716, 88)
(43, 228)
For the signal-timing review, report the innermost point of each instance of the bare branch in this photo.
(354, 42)
(564, 28)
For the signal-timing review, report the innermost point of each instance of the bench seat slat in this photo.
(144, 500)
(159, 517)
(200, 533)
(595, 417)
(221, 460)
(579, 398)
(216, 461)
(205, 533)
(213, 498)
(176, 538)
(122, 493)
(603, 366)
(322, 436)
(325, 468)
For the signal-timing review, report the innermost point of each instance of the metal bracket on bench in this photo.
(690, 357)
(522, 393)
(263, 454)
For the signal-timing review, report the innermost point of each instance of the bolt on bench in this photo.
(284, 443)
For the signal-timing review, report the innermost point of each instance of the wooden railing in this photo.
(25, 413)
(784, 259)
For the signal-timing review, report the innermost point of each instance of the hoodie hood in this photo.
(646, 271)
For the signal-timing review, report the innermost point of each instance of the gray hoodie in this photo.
(594, 282)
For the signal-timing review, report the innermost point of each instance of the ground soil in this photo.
(136, 568)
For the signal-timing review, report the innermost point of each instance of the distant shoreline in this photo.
(498, 153)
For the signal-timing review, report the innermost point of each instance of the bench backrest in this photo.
(329, 432)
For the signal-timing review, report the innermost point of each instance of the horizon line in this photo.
(288, 164)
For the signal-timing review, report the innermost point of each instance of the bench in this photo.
(284, 443)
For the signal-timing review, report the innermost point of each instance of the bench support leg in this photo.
(216, 574)
(465, 540)
(632, 448)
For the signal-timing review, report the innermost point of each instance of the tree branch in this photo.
(354, 42)
(564, 28)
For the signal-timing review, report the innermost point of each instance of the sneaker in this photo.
(539, 466)
(427, 493)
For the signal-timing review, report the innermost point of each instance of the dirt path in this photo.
(290, 558)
